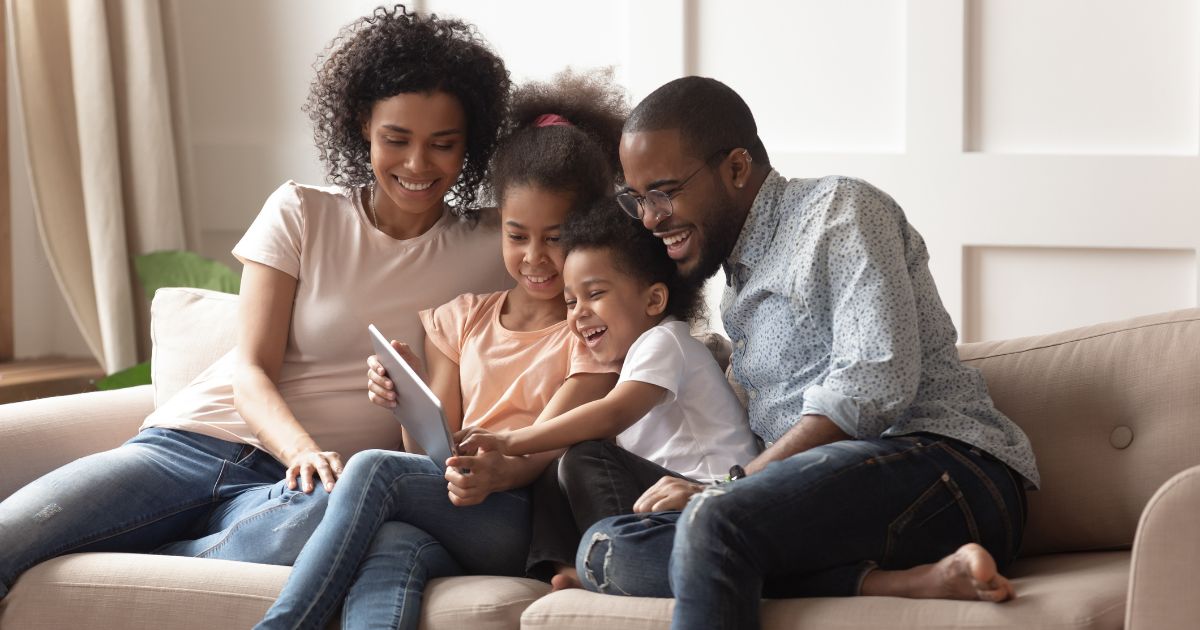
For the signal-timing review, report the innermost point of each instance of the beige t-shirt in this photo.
(349, 275)
(506, 376)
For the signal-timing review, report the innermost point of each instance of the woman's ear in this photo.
(656, 299)
(366, 129)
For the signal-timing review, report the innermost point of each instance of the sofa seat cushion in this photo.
(1077, 590)
(143, 592)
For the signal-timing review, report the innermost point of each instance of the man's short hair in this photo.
(709, 115)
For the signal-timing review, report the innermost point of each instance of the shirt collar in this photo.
(760, 223)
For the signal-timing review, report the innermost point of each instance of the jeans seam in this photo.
(229, 531)
(993, 490)
(408, 579)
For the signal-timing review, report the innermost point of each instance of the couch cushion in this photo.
(136, 592)
(1078, 590)
(190, 328)
(1112, 413)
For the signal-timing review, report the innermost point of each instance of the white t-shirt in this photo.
(700, 429)
(349, 275)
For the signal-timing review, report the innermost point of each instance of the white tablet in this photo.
(417, 408)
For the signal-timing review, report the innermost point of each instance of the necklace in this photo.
(374, 217)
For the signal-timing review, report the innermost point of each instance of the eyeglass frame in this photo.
(641, 200)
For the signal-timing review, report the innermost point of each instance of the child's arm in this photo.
(600, 419)
(495, 472)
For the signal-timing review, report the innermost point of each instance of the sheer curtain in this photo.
(92, 82)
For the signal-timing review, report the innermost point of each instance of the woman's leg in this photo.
(390, 584)
(135, 497)
(258, 520)
(378, 486)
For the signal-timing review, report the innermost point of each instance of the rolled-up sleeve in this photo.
(875, 350)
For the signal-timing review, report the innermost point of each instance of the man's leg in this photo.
(378, 486)
(135, 497)
(820, 521)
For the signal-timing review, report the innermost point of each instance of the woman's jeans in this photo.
(164, 491)
(389, 529)
(812, 525)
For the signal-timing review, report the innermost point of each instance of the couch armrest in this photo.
(1166, 553)
(38, 436)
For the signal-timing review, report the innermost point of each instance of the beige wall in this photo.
(1047, 151)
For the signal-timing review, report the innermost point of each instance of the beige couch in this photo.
(1113, 411)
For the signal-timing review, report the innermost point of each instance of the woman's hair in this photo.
(576, 156)
(394, 52)
(635, 252)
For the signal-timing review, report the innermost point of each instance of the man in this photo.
(889, 471)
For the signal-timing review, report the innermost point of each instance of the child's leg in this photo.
(601, 479)
(554, 535)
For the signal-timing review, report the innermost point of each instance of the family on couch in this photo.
(579, 400)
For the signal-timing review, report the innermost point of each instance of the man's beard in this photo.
(721, 229)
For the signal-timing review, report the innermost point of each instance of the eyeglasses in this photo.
(658, 201)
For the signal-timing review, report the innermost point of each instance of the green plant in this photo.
(171, 268)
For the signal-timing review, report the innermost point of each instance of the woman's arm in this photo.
(494, 472)
(599, 419)
(264, 320)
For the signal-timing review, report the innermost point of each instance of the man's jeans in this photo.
(811, 525)
(164, 491)
(390, 528)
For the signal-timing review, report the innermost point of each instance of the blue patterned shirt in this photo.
(832, 311)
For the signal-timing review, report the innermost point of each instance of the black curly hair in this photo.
(390, 52)
(635, 252)
(579, 158)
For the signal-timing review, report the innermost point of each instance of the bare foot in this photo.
(567, 577)
(968, 573)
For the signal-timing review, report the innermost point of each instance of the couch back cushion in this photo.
(1112, 410)
(190, 329)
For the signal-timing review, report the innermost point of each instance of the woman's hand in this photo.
(474, 439)
(380, 389)
(301, 466)
(669, 493)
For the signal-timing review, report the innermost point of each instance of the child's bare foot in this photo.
(968, 573)
(567, 577)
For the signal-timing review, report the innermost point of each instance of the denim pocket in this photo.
(934, 525)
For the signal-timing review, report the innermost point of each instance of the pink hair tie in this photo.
(551, 120)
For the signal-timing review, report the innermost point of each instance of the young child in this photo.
(496, 360)
(671, 413)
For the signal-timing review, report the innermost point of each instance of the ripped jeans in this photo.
(812, 525)
(166, 492)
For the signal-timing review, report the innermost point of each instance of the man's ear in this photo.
(740, 162)
(656, 299)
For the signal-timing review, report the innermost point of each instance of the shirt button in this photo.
(741, 343)
(752, 394)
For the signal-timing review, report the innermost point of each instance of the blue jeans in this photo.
(389, 529)
(164, 491)
(812, 525)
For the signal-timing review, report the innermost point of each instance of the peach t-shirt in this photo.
(506, 376)
(349, 275)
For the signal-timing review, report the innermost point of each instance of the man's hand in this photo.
(488, 471)
(301, 466)
(669, 493)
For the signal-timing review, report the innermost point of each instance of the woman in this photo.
(406, 110)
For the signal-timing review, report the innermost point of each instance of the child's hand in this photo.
(380, 389)
(475, 439)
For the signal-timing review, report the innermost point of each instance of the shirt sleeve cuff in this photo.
(841, 410)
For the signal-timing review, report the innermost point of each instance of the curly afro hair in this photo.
(635, 251)
(579, 158)
(394, 52)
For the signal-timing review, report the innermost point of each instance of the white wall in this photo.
(1047, 151)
